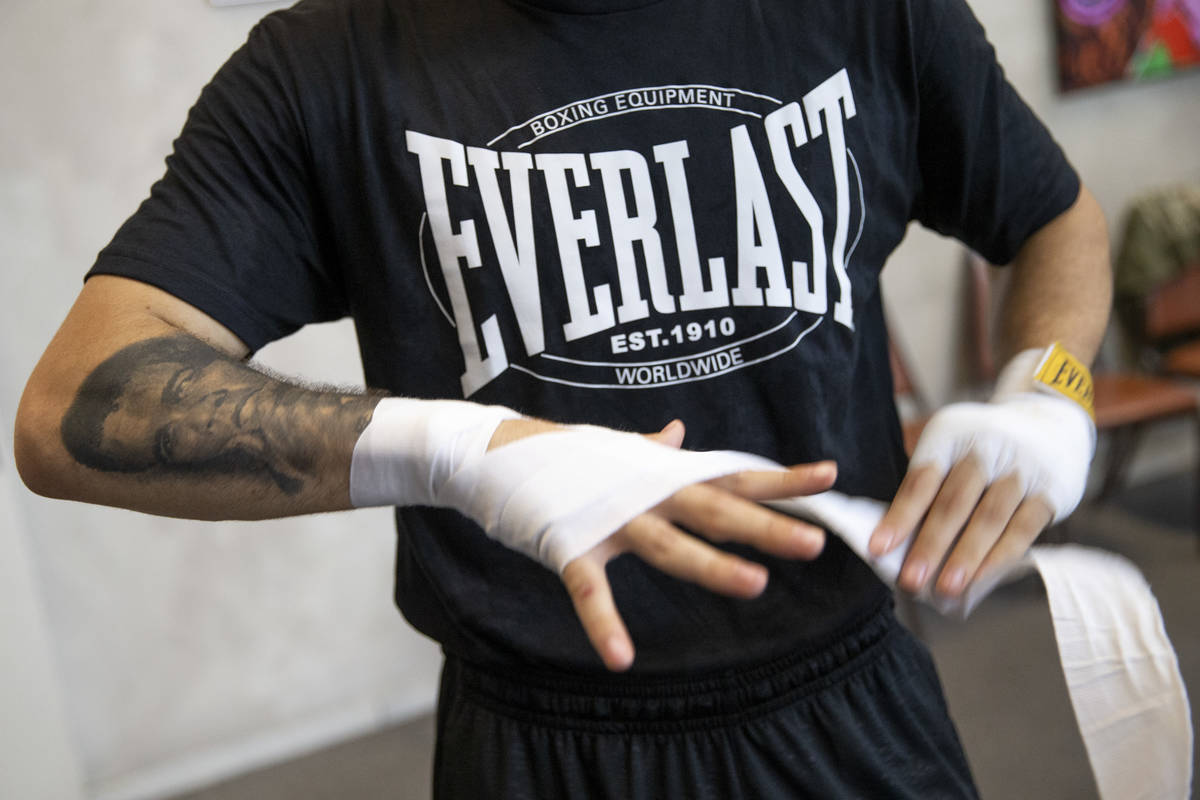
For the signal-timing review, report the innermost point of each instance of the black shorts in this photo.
(862, 717)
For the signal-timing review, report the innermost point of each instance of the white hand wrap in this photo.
(411, 448)
(552, 496)
(1043, 438)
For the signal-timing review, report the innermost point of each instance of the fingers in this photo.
(592, 597)
(989, 522)
(779, 484)
(947, 516)
(671, 435)
(1030, 519)
(653, 536)
(964, 526)
(666, 547)
(913, 499)
(721, 516)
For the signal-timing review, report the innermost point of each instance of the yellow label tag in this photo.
(1061, 372)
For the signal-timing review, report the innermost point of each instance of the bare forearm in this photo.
(1061, 287)
(169, 425)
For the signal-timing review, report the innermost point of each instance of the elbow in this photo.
(35, 448)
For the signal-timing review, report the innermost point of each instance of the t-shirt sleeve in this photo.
(989, 173)
(233, 226)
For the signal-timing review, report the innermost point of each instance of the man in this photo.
(616, 212)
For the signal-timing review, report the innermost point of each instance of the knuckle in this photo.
(955, 501)
(1005, 552)
(623, 538)
(739, 482)
(656, 542)
(991, 513)
(712, 569)
(924, 549)
(970, 550)
(780, 532)
(711, 509)
(581, 587)
(917, 491)
(934, 539)
(1027, 534)
(913, 479)
(959, 493)
(1042, 511)
(583, 584)
(942, 515)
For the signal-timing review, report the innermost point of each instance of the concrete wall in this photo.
(182, 651)
(40, 761)
(174, 652)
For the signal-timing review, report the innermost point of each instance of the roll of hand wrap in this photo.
(1122, 674)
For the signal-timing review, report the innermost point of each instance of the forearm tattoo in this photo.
(174, 405)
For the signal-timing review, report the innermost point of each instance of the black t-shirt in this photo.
(610, 212)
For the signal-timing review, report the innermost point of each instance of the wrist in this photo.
(1050, 374)
(411, 447)
(1052, 371)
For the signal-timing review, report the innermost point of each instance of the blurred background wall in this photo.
(1124, 139)
(180, 650)
(143, 656)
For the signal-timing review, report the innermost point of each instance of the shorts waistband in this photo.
(673, 702)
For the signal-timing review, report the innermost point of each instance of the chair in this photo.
(1126, 404)
(1165, 332)
(1157, 280)
(1171, 326)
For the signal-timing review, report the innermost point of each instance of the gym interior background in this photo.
(144, 657)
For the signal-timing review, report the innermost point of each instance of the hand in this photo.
(980, 526)
(985, 480)
(721, 510)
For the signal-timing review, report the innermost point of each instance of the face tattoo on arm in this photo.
(174, 405)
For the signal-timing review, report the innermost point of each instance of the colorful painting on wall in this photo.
(1110, 40)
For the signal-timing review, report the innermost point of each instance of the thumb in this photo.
(671, 435)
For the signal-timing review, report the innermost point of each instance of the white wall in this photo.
(183, 651)
(40, 762)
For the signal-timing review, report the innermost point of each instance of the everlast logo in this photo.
(1074, 381)
(759, 274)
(1062, 372)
